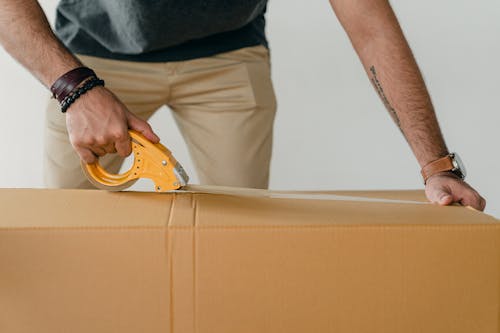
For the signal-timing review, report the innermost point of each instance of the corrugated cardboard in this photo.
(245, 261)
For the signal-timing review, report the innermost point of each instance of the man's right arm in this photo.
(97, 122)
(26, 34)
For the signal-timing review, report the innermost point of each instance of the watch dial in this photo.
(457, 163)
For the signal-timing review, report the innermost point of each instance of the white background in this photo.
(331, 131)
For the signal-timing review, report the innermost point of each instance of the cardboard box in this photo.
(245, 261)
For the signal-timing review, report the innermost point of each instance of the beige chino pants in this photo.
(223, 105)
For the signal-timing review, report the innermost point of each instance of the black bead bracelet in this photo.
(70, 99)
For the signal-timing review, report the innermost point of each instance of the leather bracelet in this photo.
(70, 99)
(69, 81)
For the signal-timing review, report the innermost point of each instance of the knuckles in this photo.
(119, 135)
(100, 140)
(82, 142)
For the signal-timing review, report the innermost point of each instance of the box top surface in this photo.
(208, 206)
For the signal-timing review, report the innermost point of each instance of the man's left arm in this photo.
(375, 33)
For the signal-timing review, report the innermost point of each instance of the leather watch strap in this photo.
(436, 166)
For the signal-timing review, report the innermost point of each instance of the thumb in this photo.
(143, 127)
(443, 197)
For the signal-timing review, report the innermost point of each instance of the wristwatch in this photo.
(450, 162)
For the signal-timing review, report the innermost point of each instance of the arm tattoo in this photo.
(380, 91)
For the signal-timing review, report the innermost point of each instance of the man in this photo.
(208, 61)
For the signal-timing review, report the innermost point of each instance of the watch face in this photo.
(458, 165)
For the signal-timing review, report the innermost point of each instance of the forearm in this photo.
(391, 67)
(397, 80)
(26, 34)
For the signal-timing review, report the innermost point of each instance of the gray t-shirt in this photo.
(158, 30)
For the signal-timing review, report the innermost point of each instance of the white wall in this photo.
(332, 132)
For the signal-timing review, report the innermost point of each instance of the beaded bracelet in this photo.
(91, 83)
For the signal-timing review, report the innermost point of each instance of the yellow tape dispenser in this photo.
(153, 161)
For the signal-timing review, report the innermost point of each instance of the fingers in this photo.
(90, 149)
(110, 148)
(86, 155)
(474, 200)
(123, 144)
(97, 150)
(448, 190)
(467, 196)
(142, 126)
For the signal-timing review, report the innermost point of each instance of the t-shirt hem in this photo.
(167, 55)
